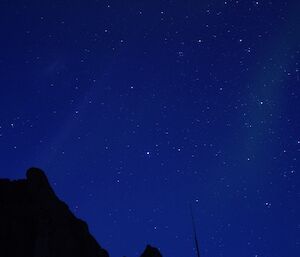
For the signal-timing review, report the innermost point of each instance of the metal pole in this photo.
(195, 233)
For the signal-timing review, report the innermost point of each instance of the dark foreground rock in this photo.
(151, 252)
(35, 223)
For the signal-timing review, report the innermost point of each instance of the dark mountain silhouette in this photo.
(151, 252)
(35, 223)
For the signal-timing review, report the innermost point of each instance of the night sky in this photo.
(137, 108)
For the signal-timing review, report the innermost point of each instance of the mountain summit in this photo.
(35, 223)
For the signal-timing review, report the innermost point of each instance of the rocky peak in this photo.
(35, 223)
(151, 252)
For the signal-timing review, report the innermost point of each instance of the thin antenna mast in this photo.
(195, 233)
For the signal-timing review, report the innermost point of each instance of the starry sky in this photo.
(138, 109)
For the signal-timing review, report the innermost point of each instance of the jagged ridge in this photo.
(35, 223)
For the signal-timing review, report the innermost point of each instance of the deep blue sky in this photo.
(136, 108)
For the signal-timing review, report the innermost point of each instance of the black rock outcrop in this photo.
(35, 223)
(151, 252)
